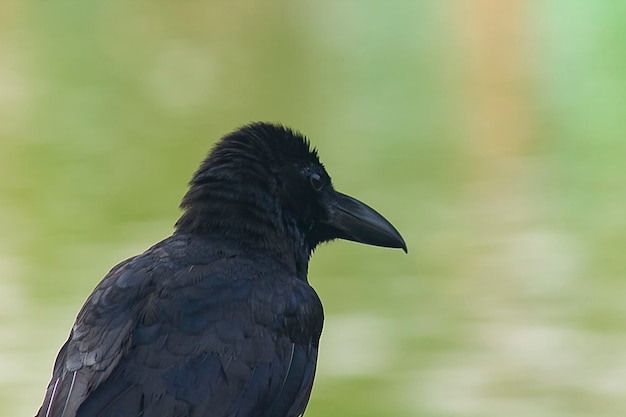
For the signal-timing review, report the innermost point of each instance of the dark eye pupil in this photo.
(316, 182)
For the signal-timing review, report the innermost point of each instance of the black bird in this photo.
(219, 318)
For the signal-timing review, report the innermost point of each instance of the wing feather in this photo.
(158, 339)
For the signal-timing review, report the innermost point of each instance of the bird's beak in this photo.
(358, 222)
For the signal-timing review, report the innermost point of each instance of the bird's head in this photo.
(265, 185)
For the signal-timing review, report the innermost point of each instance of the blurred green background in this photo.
(492, 134)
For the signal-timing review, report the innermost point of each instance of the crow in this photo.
(217, 320)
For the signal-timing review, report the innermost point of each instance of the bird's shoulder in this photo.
(199, 283)
(190, 274)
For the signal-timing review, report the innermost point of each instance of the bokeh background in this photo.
(491, 133)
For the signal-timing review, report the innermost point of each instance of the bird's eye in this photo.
(316, 182)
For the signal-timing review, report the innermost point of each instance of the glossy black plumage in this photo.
(218, 319)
